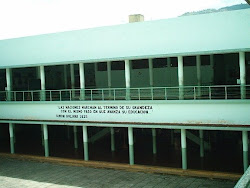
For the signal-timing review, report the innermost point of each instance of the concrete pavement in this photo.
(24, 173)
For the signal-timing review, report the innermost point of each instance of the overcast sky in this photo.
(31, 17)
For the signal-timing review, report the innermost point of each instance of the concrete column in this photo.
(245, 149)
(201, 133)
(65, 76)
(42, 135)
(12, 145)
(46, 140)
(38, 75)
(212, 65)
(154, 141)
(75, 137)
(9, 83)
(131, 145)
(82, 81)
(168, 71)
(151, 75)
(180, 77)
(14, 131)
(184, 149)
(198, 70)
(72, 76)
(43, 86)
(109, 77)
(109, 73)
(72, 79)
(127, 78)
(112, 131)
(96, 73)
(85, 142)
(242, 74)
(42, 77)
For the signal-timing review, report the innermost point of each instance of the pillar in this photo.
(38, 75)
(72, 79)
(8, 83)
(180, 77)
(85, 142)
(65, 76)
(109, 77)
(198, 70)
(151, 75)
(42, 134)
(201, 133)
(82, 81)
(127, 79)
(154, 140)
(14, 132)
(245, 149)
(75, 137)
(184, 149)
(11, 131)
(112, 131)
(242, 74)
(151, 79)
(46, 140)
(212, 66)
(168, 71)
(96, 73)
(43, 86)
(131, 145)
(109, 73)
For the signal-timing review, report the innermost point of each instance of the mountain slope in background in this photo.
(206, 11)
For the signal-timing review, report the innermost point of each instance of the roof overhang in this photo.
(225, 32)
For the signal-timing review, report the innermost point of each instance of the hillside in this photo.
(229, 8)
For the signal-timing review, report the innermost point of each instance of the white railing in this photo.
(244, 181)
(150, 93)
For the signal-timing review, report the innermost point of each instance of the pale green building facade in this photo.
(185, 73)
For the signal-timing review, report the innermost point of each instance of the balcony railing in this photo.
(149, 93)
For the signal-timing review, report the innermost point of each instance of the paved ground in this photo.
(17, 173)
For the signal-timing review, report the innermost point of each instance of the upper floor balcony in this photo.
(222, 92)
(153, 60)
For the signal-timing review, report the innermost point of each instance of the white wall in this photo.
(194, 112)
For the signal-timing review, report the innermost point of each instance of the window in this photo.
(140, 64)
(205, 60)
(174, 61)
(102, 66)
(117, 65)
(160, 62)
(189, 61)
